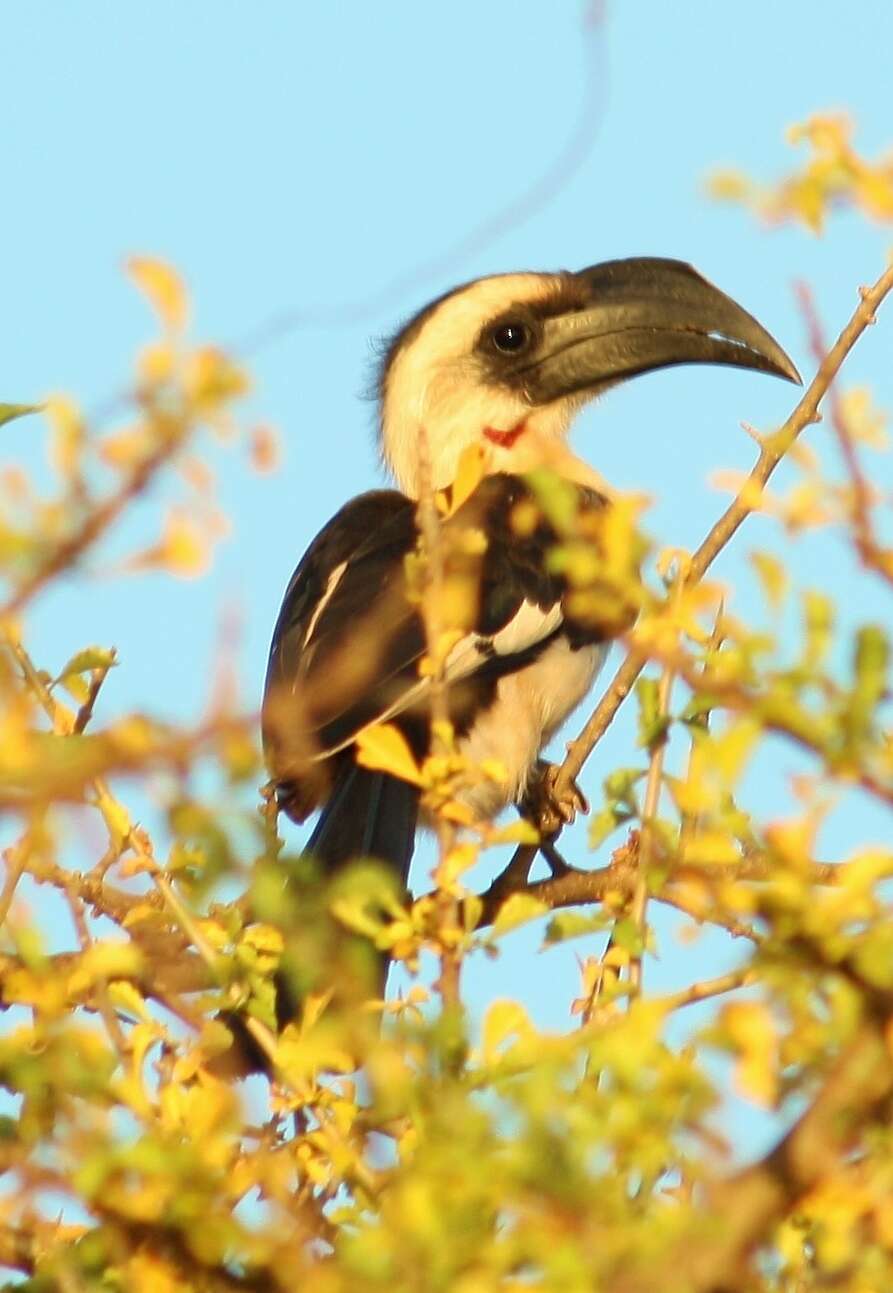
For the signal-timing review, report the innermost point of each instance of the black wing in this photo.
(348, 641)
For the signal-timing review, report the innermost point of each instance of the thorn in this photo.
(753, 433)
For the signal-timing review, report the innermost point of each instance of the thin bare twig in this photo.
(870, 552)
(103, 1004)
(441, 729)
(707, 989)
(650, 805)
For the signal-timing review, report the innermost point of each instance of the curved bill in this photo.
(639, 314)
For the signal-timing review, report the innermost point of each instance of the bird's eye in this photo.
(511, 338)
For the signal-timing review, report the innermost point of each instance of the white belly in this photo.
(530, 706)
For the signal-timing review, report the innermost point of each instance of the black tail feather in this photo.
(368, 815)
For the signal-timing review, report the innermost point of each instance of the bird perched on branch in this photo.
(497, 368)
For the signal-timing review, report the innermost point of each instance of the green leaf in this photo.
(772, 576)
(558, 499)
(517, 910)
(573, 924)
(9, 412)
(619, 785)
(605, 822)
(818, 617)
(652, 723)
(629, 936)
(698, 710)
(872, 664)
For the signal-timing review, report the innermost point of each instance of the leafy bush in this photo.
(396, 1147)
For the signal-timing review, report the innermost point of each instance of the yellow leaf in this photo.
(729, 186)
(469, 473)
(495, 770)
(126, 448)
(864, 421)
(105, 961)
(184, 548)
(212, 379)
(213, 933)
(116, 818)
(156, 363)
(25, 988)
(874, 189)
(264, 938)
(163, 288)
(751, 1030)
(461, 814)
(142, 911)
(68, 434)
(315, 1004)
(519, 832)
(147, 1272)
(616, 956)
(459, 860)
(708, 847)
(384, 748)
(772, 576)
(126, 997)
(503, 1020)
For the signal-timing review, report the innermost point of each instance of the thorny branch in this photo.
(744, 1206)
(773, 448)
(860, 504)
(441, 732)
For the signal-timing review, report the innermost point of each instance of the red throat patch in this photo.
(505, 439)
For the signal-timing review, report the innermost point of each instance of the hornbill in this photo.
(505, 363)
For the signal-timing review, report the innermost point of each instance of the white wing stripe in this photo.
(528, 626)
(332, 583)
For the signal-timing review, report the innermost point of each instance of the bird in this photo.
(497, 368)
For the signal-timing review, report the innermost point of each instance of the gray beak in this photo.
(640, 314)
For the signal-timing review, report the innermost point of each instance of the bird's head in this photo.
(507, 361)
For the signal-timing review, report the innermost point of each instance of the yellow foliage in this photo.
(752, 1033)
(383, 748)
(163, 288)
(834, 175)
(437, 1141)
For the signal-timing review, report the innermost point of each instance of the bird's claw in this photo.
(546, 807)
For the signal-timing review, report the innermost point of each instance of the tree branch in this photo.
(92, 527)
(742, 1211)
(772, 450)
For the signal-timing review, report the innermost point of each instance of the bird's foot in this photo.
(548, 809)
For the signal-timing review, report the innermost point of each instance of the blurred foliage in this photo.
(834, 176)
(399, 1146)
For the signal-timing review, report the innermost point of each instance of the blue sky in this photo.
(336, 165)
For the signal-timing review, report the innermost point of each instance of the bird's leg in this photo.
(548, 810)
